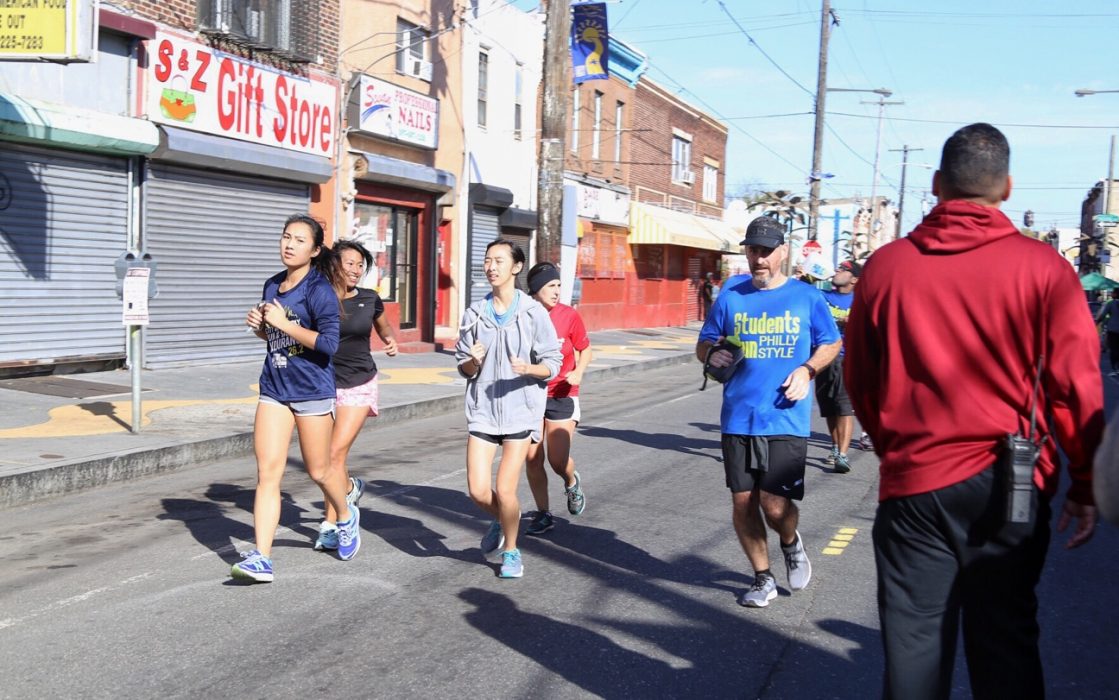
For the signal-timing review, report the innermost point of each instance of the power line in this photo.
(953, 121)
(759, 48)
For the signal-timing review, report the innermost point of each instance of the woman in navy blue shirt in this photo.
(299, 317)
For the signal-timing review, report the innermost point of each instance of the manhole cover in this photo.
(65, 387)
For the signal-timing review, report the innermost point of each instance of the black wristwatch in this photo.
(811, 370)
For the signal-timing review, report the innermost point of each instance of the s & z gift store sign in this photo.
(193, 86)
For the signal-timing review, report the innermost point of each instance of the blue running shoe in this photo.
(254, 566)
(328, 536)
(542, 521)
(511, 564)
(357, 487)
(349, 535)
(576, 501)
(493, 540)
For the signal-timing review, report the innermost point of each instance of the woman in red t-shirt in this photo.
(561, 414)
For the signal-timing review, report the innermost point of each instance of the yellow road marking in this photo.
(840, 540)
(417, 375)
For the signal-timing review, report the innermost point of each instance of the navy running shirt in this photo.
(778, 329)
(292, 371)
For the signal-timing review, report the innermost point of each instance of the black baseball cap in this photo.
(764, 231)
(851, 266)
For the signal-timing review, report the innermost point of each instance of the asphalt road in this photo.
(123, 592)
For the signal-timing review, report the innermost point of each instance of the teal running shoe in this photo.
(511, 564)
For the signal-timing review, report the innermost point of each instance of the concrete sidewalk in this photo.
(60, 434)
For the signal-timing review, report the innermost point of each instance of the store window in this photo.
(391, 235)
(603, 254)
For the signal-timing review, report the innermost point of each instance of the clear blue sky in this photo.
(952, 61)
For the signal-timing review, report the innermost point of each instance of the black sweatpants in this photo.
(946, 555)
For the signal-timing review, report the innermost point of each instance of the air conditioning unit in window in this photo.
(419, 68)
(687, 177)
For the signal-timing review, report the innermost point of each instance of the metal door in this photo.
(216, 238)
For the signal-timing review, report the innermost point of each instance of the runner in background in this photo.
(508, 351)
(562, 412)
(355, 374)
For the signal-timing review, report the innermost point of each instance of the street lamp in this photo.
(1084, 92)
(818, 147)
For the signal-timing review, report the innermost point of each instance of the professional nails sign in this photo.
(396, 113)
(193, 86)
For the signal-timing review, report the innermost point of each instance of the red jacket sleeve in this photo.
(862, 364)
(1072, 380)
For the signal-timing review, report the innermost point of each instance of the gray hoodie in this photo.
(499, 401)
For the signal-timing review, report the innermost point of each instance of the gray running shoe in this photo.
(357, 487)
(759, 594)
(542, 521)
(865, 443)
(797, 565)
(493, 540)
(842, 466)
(576, 501)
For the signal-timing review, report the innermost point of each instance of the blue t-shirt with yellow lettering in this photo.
(840, 306)
(778, 329)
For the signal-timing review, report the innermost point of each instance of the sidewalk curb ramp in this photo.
(85, 473)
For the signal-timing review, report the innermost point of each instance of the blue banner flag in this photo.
(589, 46)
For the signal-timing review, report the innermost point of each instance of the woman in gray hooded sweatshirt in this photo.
(507, 349)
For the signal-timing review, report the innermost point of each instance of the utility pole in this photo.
(818, 135)
(882, 104)
(553, 131)
(905, 151)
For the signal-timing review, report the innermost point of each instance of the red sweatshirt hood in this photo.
(958, 225)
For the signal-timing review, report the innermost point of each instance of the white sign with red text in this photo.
(398, 113)
(194, 86)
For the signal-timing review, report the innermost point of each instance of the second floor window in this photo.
(483, 85)
(575, 121)
(681, 159)
(710, 183)
(411, 47)
(596, 135)
(619, 113)
(518, 90)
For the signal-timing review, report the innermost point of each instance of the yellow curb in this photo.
(102, 417)
(417, 375)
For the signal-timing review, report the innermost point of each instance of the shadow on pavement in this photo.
(711, 449)
(211, 527)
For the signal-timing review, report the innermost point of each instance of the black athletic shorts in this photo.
(831, 394)
(561, 409)
(784, 475)
(498, 439)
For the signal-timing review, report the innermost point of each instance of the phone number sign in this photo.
(193, 86)
(55, 29)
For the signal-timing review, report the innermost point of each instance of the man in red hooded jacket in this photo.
(946, 334)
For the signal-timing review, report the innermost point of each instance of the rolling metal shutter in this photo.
(484, 228)
(524, 240)
(63, 223)
(216, 239)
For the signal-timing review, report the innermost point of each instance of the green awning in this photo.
(48, 124)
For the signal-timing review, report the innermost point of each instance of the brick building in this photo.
(659, 181)
(198, 128)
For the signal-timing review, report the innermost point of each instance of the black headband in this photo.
(541, 276)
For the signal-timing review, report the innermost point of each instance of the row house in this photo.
(412, 127)
(197, 128)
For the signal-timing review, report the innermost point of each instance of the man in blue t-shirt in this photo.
(786, 335)
(831, 394)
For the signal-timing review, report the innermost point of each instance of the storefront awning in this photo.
(651, 224)
(35, 121)
(206, 151)
(371, 167)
